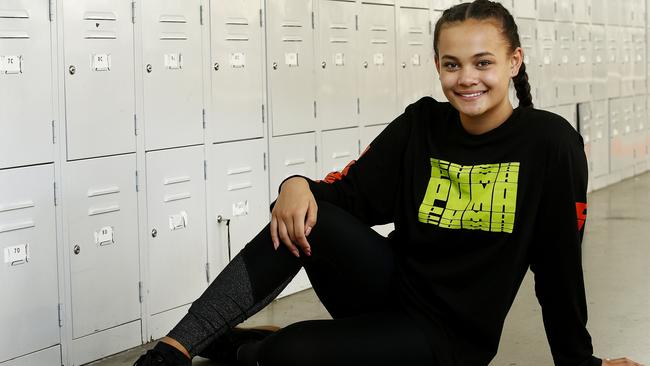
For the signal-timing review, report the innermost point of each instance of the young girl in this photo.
(478, 193)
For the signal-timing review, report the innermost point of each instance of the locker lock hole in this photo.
(275, 66)
(149, 68)
(216, 66)
(76, 249)
(72, 69)
(154, 233)
(323, 64)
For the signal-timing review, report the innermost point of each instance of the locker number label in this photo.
(240, 208)
(378, 59)
(17, 254)
(237, 60)
(291, 59)
(173, 61)
(178, 222)
(339, 59)
(11, 64)
(105, 236)
(101, 62)
(415, 60)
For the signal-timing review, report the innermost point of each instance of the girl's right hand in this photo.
(293, 216)
(620, 362)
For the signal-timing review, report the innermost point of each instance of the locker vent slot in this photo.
(100, 35)
(378, 29)
(291, 162)
(237, 38)
(291, 39)
(340, 155)
(413, 30)
(17, 226)
(13, 35)
(172, 19)
(16, 206)
(16, 14)
(379, 41)
(100, 15)
(103, 210)
(177, 197)
(241, 170)
(173, 37)
(236, 21)
(176, 180)
(291, 24)
(338, 40)
(240, 186)
(413, 43)
(103, 191)
(338, 26)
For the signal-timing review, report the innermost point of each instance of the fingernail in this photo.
(308, 230)
(297, 254)
(275, 245)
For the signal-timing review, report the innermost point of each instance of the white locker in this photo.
(546, 38)
(565, 61)
(387, 2)
(238, 198)
(415, 56)
(629, 119)
(527, 30)
(581, 11)
(339, 148)
(422, 4)
(526, 9)
(639, 63)
(177, 227)
(99, 78)
(377, 75)
(172, 73)
(584, 62)
(508, 4)
(289, 155)
(616, 134)
(598, 12)
(443, 4)
(546, 9)
(568, 112)
(368, 134)
(585, 127)
(639, 129)
(614, 69)
(290, 42)
(438, 94)
(28, 271)
(565, 10)
(337, 65)
(46, 357)
(627, 61)
(600, 63)
(237, 63)
(25, 82)
(614, 13)
(639, 13)
(599, 138)
(101, 207)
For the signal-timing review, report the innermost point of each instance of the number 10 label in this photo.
(18, 253)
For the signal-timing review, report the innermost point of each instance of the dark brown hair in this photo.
(482, 10)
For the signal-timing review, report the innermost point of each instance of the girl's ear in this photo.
(515, 61)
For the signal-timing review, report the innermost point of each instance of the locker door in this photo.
(614, 13)
(508, 4)
(568, 112)
(581, 11)
(628, 131)
(177, 232)
(546, 91)
(442, 4)
(639, 129)
(46, 357)
(600, 138)
(600, 63)
(25, 83)
(368, 134)
(616, 130)
(525, 9)
(565, 54)
(99, 81)
(337, 70)
(438, 94)
(377, 75)
(598, 12)
(339, 149)
(237, 57)
(613, 63)
(173, 93)
(28, 272)
(527, 29)
(290, 42)
(583, 74)
(423, 4)
(546, 10)
(585, 127)
(639, 13)
(565, 9)
(238, 184)
(100, 201)
(415, 56)
(627, 61)
(291, 155)
(639, 39)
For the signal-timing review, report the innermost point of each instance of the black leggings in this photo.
(351, 270)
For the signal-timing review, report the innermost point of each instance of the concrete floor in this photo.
(617, 277)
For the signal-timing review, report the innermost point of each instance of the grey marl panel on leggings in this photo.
(227, 302)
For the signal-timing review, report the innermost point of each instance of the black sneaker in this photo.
(163, 355)
(225, 348)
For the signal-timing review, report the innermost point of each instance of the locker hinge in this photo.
(356, 21)
(359, 147)
(264, 161)
(207, 272)
(430, 27)
(137, 183)
(60, 311)
(133, 12)
(135, 124)
(140, 294)
(203, 117)
(261, 19)
(205, 170)
(53, 133)
(55, 200)
(201, 14)
(358, 106)
(316, 153)
(263, 118)
(312, 20)
(51, 9)
(314, 109)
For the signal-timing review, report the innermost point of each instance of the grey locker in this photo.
(46, 357)
(177, 227)
(585, 127)
(627, 61)
(377, 70)
(599, 138)
(639, 63)
(546, 9)
(237, 62)
(628, 131)
(508, 4)
(422, 4)
(614, 12)
(100, 202)
(565, 61)
(368, 134)
(438, 94)
(565, 10)
(443, 4)
(584, 62)
(337, 65)
(99, 77)
(172, 73)
(614, 61)
(526, 9)
(25, 83)
(28, 271)
(568, 112)
(290, 49)
(238, 202)
(546, 43)
(339, 148)
(527, 29)
(639, 129)
(598, 12)
(600, 62)
(289, 155)
(415, 56)
(581, 11)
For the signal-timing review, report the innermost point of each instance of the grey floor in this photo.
(617, 278)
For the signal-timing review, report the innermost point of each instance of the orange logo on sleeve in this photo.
(581, 212)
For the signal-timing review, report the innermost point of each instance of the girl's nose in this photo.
(468, 76)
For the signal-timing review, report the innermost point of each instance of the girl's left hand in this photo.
(620, 362)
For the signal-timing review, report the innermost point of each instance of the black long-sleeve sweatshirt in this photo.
(472, 213)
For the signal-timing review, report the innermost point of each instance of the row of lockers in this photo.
(624, 12)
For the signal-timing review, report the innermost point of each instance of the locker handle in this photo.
(340, 155)
(177, 197)
(241, 170)
(240, 186)
(379, 41)
(173, 37)
(17, 226)
(100, 15)
(172, 19)
(175, 180)
(338, 26)
(338, 40)
(416, 30)
(413, 43)
(16, 206)
(379, 29)
(20, 14)
(294, 162)
(238, 38)
(237, 21)
(100, 35)
(103, 210)
(103, 191)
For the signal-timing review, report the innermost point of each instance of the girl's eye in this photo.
(484, 63)
(450, 65)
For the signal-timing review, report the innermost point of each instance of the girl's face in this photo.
(475, 67)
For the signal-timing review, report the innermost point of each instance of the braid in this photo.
(523, 87)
